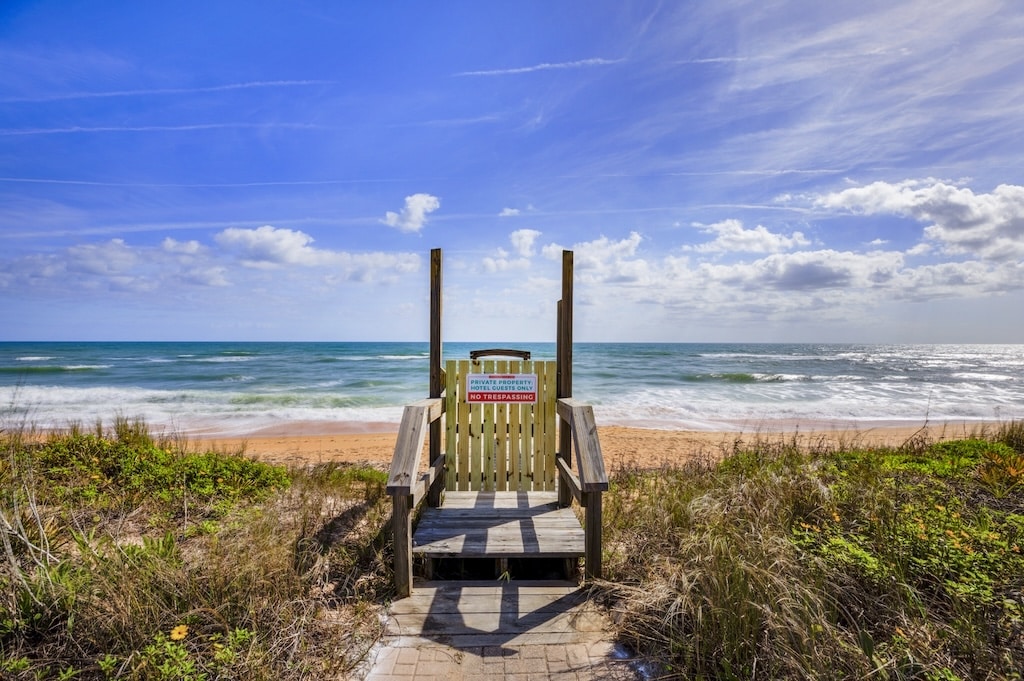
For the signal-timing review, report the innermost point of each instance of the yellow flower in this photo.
(179, 632)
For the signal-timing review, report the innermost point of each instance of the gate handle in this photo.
(499, 352)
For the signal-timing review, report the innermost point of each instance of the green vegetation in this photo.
(129, 558)
(124, 557)
(898, 563)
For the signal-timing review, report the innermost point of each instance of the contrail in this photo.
(167, 91)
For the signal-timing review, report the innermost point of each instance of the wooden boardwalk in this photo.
(499, 525)
(501, 436)
(463, 631)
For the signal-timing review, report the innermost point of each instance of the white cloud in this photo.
(183, 247)
(112, 257)
(733, 238)
(508, 212)
(988, 225)
(206, 276)
(813, 271)
(270, 246)
(604, 250)
(523, 241)
(502, 262)
(414, 215)
(246, 258)
(815, 288)
(606, 260)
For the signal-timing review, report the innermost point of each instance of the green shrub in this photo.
(776, 563)
(125, 558)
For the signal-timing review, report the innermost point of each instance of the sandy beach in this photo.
(301, 444)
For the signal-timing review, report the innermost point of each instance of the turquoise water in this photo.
(241, 388)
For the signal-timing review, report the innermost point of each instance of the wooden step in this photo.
(499, 525)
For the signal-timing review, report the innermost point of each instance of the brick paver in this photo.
(427, 637)
(529, 662)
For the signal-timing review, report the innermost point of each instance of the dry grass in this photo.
(239, 571)
(796, 562)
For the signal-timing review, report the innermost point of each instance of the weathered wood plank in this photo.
(487, 435)
(451, 422)
(515, 446)
(427, 481)
(476, 464)
(478, 500)
(412, 433)
(401, 527)
(550, 419)
(512, 603)
(463, 549)
(589, 458)
(464, 421)
(489, 524)
(501, 438)
(570, 482)
(592, 560)
(438, 609)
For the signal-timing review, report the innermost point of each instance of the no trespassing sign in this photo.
(501, 388)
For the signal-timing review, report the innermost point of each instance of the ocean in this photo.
(238, 389)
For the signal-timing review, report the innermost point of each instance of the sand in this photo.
(302, 444)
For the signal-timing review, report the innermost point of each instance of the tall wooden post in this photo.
(436, 373)
(564, 357)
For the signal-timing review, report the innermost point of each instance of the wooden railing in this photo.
(408, 488)
(591, 481)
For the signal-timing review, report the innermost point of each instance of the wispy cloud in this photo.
(147, 92)
(78, 129)
(579, 64)
(450, 122)
(205, 185)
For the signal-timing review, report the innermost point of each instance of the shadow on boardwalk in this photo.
(459, 631)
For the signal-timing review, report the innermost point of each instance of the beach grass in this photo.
(124, 557)
(781, 561)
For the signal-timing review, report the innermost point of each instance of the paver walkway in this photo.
(460, 631)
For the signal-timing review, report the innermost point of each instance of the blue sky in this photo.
(725, 170)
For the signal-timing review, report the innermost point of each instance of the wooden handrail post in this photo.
(401, 526)
(592, 535)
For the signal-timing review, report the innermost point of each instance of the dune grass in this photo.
(135, 558)
(124, 557)
(778, 562)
